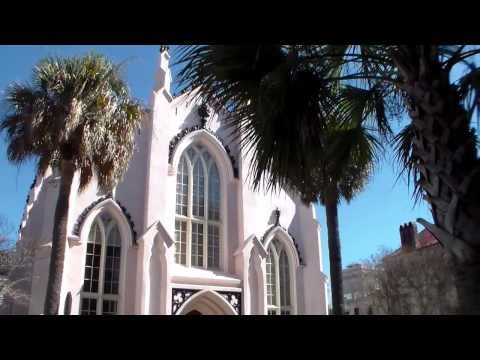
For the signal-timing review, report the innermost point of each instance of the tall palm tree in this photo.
(287, 118)
(349, 152)
(292, 81)
(77, 116)
(439, 146)
(443, 156)
(342, 176)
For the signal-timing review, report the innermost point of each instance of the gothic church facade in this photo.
(183, 233)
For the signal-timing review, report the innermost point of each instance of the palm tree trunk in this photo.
(446, 158)
(467, 279)
(331, 206)
(59, 239)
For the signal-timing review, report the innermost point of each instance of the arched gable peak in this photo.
(221, 152)
(115, 209)
(281, 234)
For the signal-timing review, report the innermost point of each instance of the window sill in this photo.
(199, 276)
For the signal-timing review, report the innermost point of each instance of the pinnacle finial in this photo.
(203, 113)
(277, 216)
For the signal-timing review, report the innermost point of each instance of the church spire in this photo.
(163, 76)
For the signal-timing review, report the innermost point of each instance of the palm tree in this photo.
(281, 95)
(439, 146)
(342, 177)
(350, 150)
(287, 118)
(77, 116)
(443, 156)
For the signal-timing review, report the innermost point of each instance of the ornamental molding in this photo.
(234, 299)
(27, 202)
(172, 147)
(275, 226)
(74, 240)
(81, 218)
(179, 296)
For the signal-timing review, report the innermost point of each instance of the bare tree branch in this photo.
(413, 282)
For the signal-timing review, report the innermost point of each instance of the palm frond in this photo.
(359, 105)
(403, 146)
(469, 92)
(456, 54)
(268, 95)
(76, 108)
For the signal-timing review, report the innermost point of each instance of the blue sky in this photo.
(369, 222)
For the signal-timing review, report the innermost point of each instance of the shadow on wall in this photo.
(296, 225)
(254, 284)
(192, 118)
(155, 274)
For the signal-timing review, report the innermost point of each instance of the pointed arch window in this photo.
(279, 291)
(198, 218)
(100, 291)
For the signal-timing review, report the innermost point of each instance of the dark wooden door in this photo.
(194, 312)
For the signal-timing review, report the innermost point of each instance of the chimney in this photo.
(408, 235)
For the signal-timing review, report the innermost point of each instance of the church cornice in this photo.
(181, 135)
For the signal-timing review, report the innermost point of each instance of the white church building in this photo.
(183, 233)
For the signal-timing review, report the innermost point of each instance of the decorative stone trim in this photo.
(130, 221)
(179, 296)
(86, 211)
(234, 299)
(204, 114)
(28, 200)
(74, 240)
(271, 228)
(277, 216)
(178, 138)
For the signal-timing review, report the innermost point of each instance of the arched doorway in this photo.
(206, 302)
(194, 312)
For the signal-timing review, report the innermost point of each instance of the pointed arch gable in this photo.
(117, 210)
(84, 225)
(225, 177)
(215, 145)
(280, 233)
